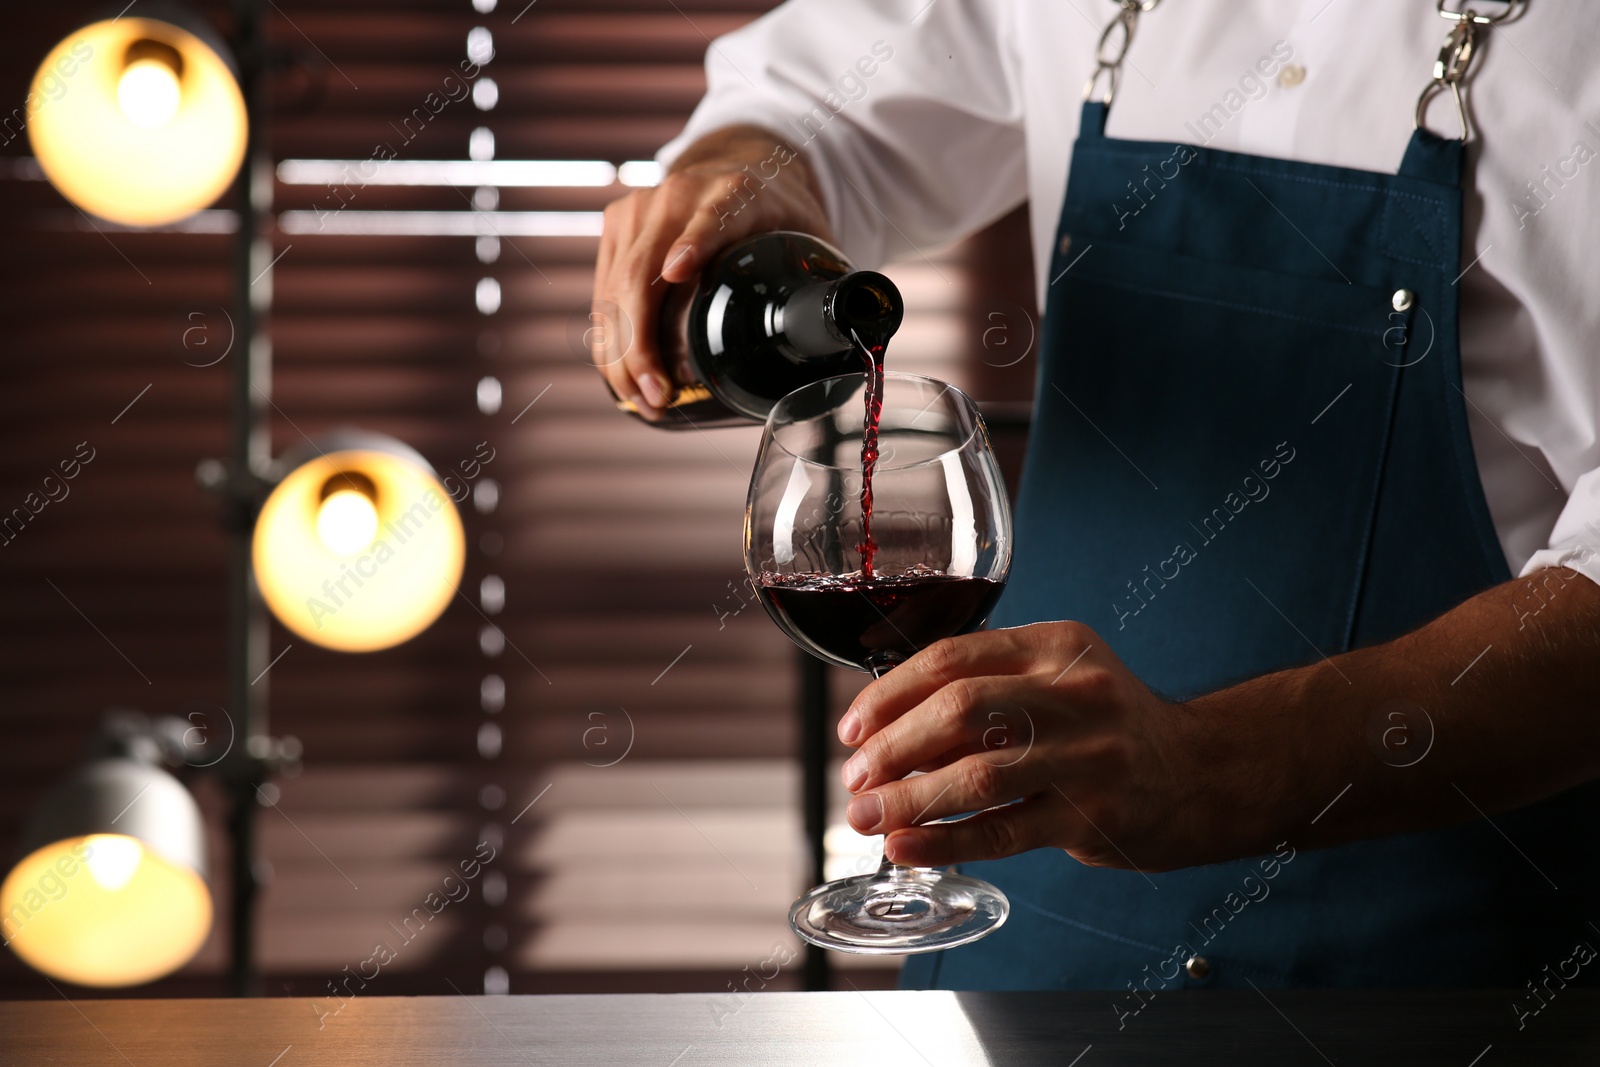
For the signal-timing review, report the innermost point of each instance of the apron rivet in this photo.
(1403, 299)
(1197, 966)
(1066, 243)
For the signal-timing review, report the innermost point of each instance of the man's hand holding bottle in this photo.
(736, 182)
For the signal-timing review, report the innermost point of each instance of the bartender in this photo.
(1302, 639)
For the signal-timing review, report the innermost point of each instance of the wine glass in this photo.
(930, 565)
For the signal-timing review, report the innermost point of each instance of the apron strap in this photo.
(1092, 120)
(1434, 158)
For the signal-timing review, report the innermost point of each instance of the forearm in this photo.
(1494, 705)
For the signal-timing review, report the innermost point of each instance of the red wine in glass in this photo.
(874, 622)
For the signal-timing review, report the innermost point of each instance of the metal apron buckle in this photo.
(1456, 56)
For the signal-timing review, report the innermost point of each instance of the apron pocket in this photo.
(1224, 427)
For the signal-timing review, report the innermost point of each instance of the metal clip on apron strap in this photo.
(1455, 58)
(1111, 65)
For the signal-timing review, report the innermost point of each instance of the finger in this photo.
(637, 287)
(988, 835)
(638, 299)
(691, 219)
(986, 712)
(918, 678)
(972, 783)
(607, 335)
(946, 758)
(609, 338)
(720, 219)
(634, 350)
(685, 256)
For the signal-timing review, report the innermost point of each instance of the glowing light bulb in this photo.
(113, 860)
(347, 521)
(148, 93)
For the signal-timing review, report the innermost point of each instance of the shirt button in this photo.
(1066, 243)
(1197, 966)
(1291, 75)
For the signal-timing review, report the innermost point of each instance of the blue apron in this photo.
(1250, 448)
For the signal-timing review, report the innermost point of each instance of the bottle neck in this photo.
(825, 318)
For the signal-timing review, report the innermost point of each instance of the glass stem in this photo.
(887, 866)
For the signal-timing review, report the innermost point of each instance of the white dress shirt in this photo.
(927, 120)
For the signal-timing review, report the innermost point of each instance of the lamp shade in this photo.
(139, 120)
(359, 547)
(111, 889)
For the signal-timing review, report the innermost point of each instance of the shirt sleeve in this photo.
(1575, 541)
(908, 111)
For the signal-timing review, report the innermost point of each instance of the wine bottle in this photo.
(768, 314)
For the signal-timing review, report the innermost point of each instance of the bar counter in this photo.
(1195, 1028)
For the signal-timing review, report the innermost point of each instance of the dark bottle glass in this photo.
(768, 314)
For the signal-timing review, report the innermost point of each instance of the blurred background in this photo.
(604, 702)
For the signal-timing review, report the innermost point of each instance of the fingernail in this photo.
(677, 256)
(854, 773)
(655, 390)
(902, 849)
(865, 812)
(850, 727)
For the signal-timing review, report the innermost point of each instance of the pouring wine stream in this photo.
(868, 548)
(869, 446)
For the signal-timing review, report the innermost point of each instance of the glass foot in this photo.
(899, 911)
